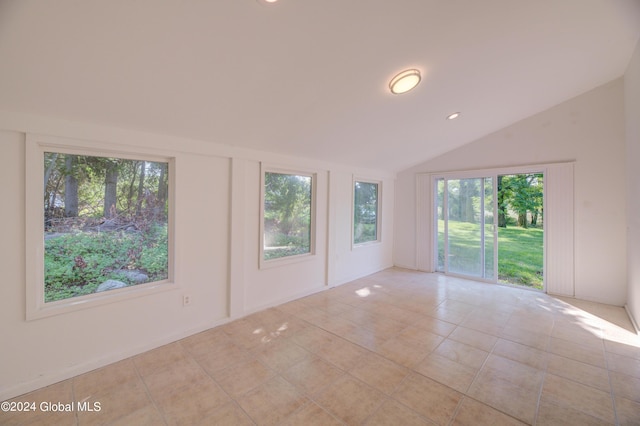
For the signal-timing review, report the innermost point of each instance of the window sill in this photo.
(48, 309)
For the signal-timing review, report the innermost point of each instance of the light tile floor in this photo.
(395, 348)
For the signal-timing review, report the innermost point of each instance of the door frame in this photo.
(426, 250)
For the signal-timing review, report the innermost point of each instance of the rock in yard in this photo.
(110, 285)
(136, 276)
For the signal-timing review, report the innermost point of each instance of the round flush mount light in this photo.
(453, 116)
(404, 81)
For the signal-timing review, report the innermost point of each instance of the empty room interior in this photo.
(285, 212)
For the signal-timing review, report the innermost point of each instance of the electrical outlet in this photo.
(186, 300)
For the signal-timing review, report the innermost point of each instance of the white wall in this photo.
(588, 129)
(632, 116)
(217, 223)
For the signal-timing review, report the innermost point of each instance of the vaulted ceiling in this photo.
(310, 77)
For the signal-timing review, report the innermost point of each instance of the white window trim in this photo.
(378, 239)
(35, 147)
(270, 263)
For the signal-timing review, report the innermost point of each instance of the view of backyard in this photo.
(287, 215)
(520, 251)
(465, 206)
(106, 224)
(521, 256)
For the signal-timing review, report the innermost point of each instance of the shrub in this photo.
(76, 264)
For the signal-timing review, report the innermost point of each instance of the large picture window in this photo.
(287, 215)
(101, 226)
(106, 224)
(365, 212)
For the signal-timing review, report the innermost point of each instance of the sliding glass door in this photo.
(465, 226)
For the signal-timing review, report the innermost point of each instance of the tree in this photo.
(70, 187)
(365, 212)
(143, 168)
(288, 202)
(163, 189)
(502, 204)
(522, 193)
(366, 202)
(110, 188)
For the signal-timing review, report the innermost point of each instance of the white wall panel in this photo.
(632, 115)
(424, 244)
(559, 229)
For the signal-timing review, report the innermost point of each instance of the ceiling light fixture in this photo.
(453, 116)
(404, 81)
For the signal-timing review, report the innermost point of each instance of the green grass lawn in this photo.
(520, 259)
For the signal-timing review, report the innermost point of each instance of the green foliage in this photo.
(76, 264)
(522, 194)
(154, 257)
(141, 185)
(365, 212)
(365, 232)
(520, 256)
(289, 240)
(286, 245)
(287, 214)
(278, 252)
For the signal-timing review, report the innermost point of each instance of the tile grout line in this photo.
(544, 375)
(148, 392)
(73, 398)
(613, 397)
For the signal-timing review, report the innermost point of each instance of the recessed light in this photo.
(267, 1)
(404, 81)
(453, 116)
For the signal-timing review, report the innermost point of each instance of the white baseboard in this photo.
(75, 370)
(632, 319)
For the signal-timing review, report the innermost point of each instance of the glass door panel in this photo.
(490, 236)
(465, 227)
(440, 220)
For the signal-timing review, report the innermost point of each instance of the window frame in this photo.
(35, 148)
(378, 239)
(269, 263)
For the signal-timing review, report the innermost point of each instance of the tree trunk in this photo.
(163, 191)
(110, 190)
(54, 195)
(50, 167)
(141, 189)
(534, 218)
(469, 215)
(462, 194)
(70, 188)
(132, 182)
(522, 219)
(502, 218)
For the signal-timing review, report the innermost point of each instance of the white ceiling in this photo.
(309, 77)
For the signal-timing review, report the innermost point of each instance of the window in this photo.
(102, 223)
(365, 212)
(287, 215)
